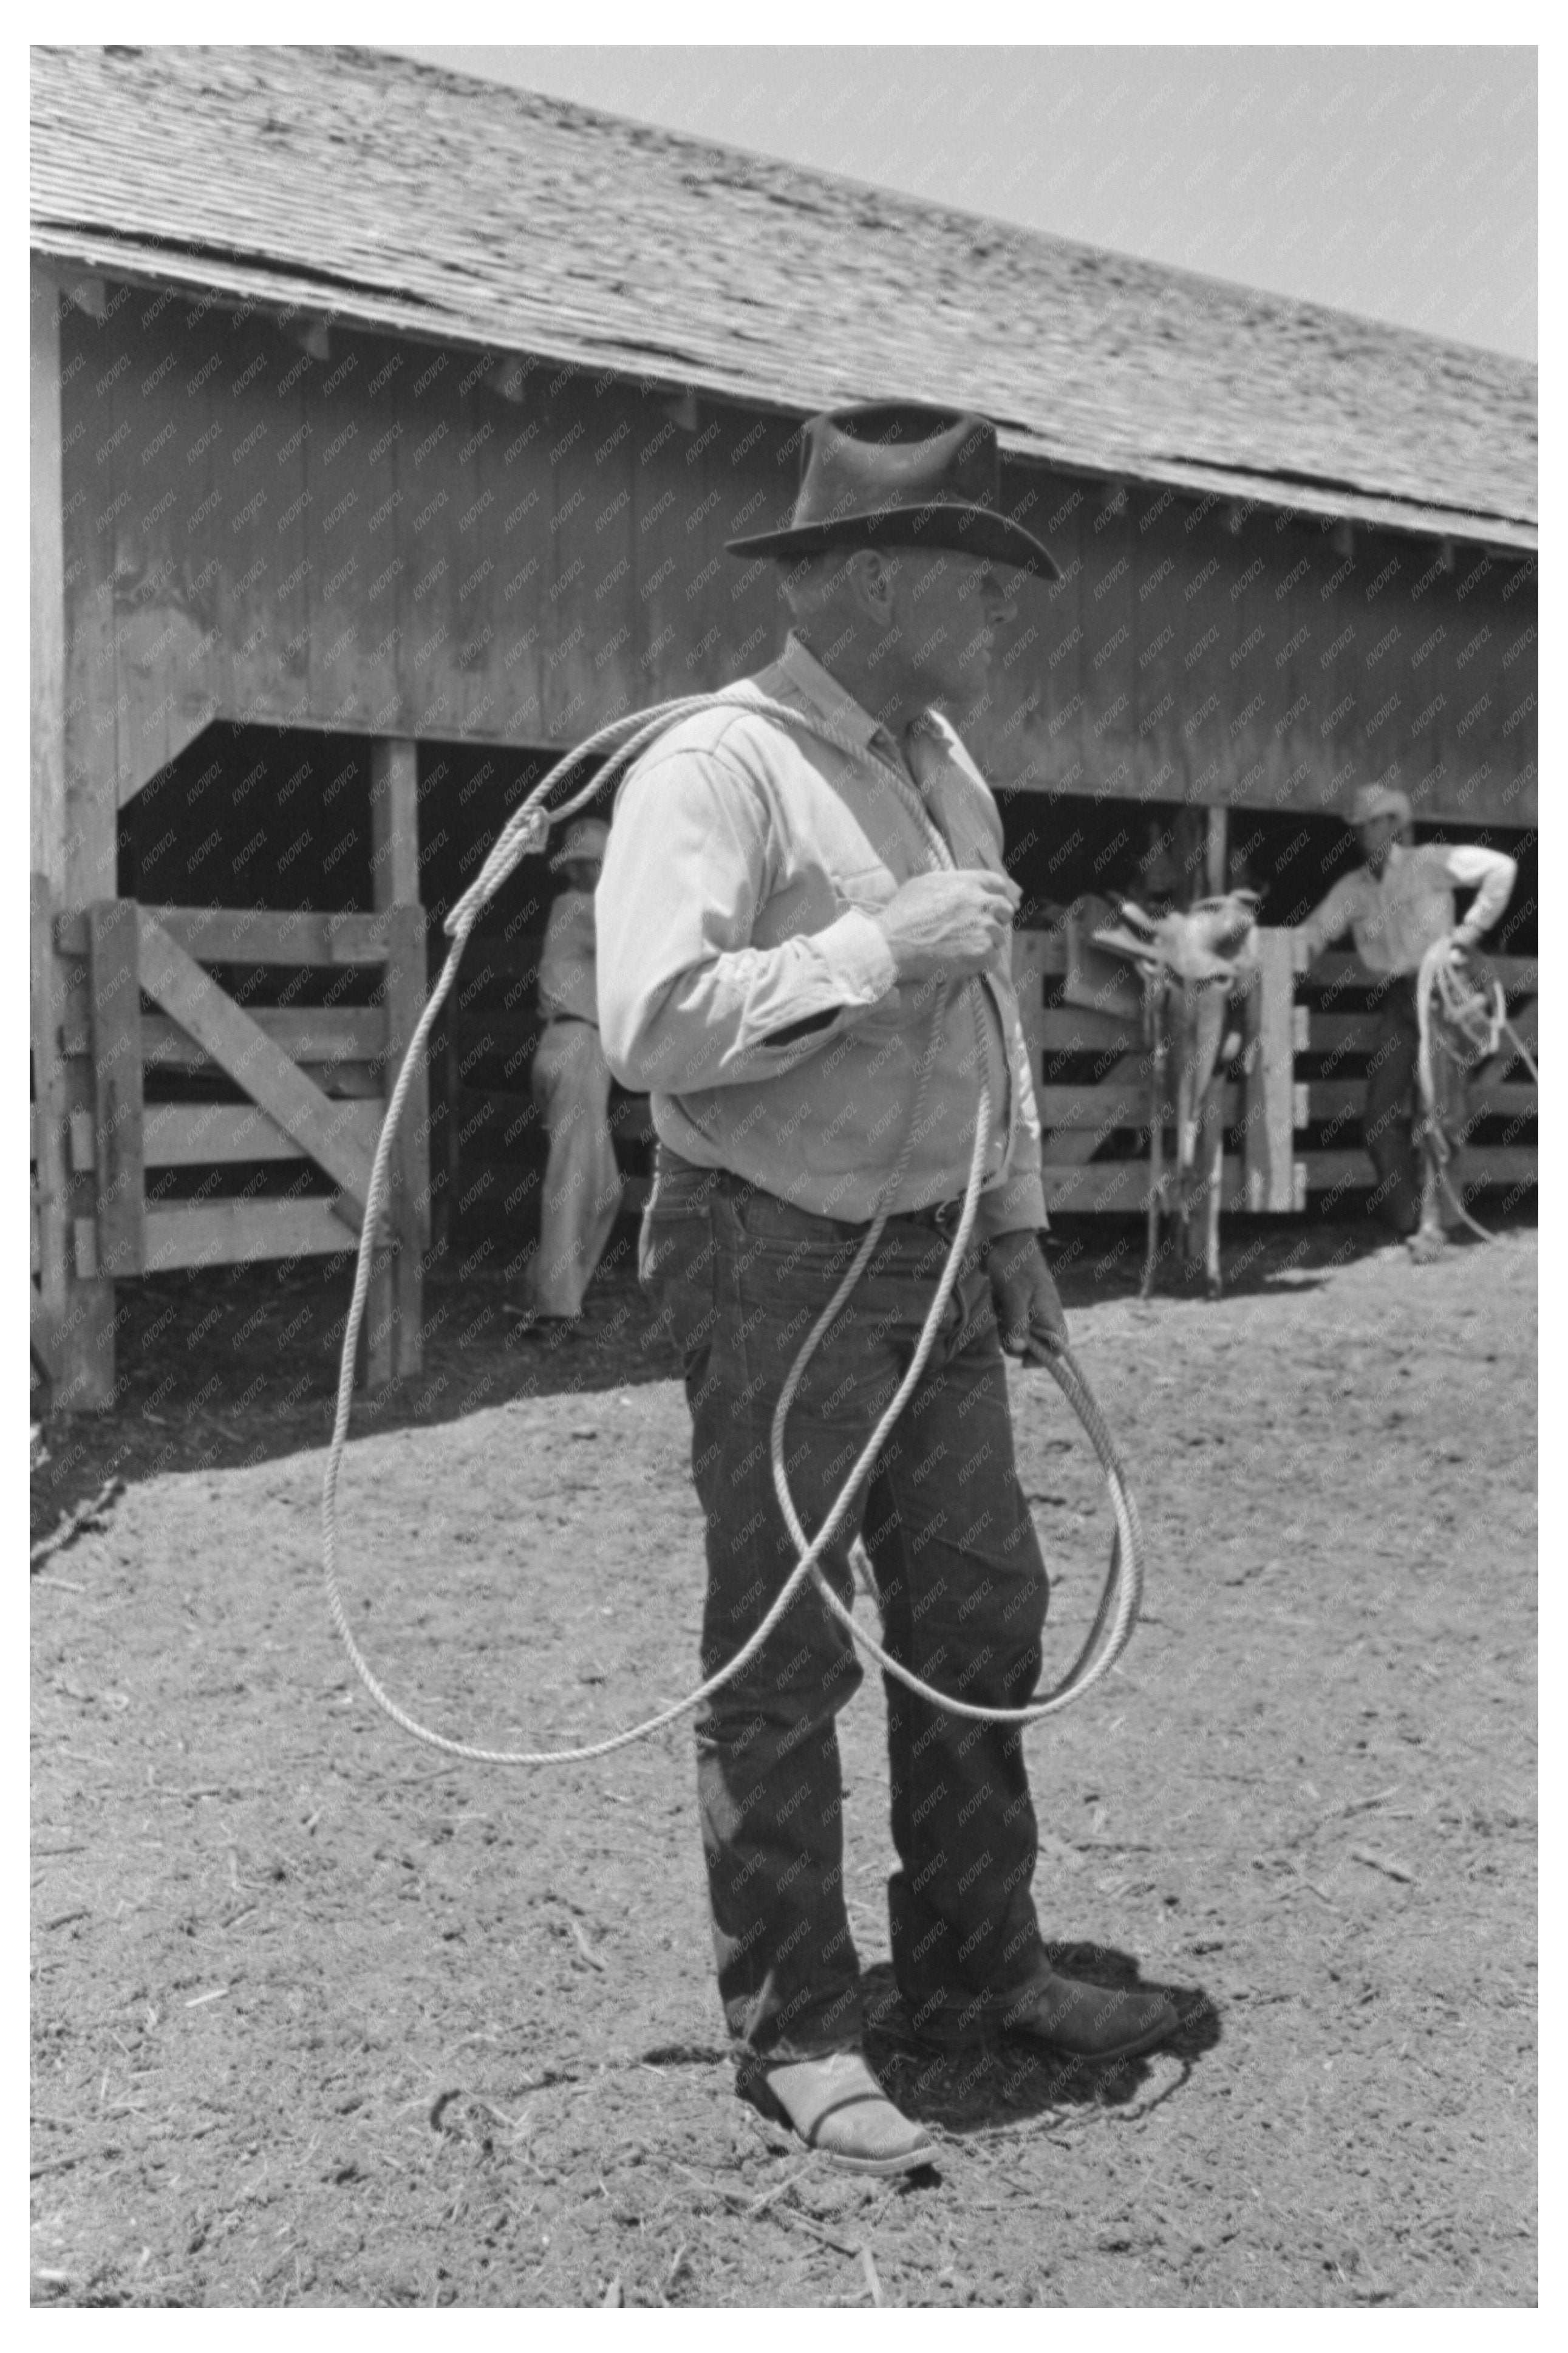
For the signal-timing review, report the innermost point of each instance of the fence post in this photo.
(113, 979)
(392, 1307)
(49, 1133)
(410, 1195)
(1270, 1094)
(1216, 850)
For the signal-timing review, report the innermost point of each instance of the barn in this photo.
(386, 428)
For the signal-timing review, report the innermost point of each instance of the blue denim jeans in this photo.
(738, 1277)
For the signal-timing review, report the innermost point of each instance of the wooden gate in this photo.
(180, 1075)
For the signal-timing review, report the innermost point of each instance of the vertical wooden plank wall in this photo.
(46, 602)
(515, 467)
(399, 538)
(289, 526)
(1159, 648)
(1271, 660)
(356, 591)
(158, 419)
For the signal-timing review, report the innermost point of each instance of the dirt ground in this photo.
(321, 2020)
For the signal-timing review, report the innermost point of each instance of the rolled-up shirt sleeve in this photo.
(686, 1001)
(1491, 873)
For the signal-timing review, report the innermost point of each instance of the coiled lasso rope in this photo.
(1470, 1024)
(526, 831)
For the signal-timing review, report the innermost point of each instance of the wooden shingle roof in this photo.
(393, 196)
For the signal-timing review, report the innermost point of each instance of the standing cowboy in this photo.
(572, 1086)
(787, 915)
(1396, 907)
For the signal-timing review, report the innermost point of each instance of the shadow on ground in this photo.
(1009, 2083)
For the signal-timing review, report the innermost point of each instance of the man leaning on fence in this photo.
(782, 947)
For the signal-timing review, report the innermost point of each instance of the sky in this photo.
(1399, 182)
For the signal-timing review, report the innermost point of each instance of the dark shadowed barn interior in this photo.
(387, 430)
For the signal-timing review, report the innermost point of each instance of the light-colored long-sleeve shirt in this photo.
(743, 984)
(1393, 919)
(566, 968)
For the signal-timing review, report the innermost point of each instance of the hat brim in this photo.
(962, 530)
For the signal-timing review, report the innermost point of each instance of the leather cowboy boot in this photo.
(1096, 2023)
(836, 2106)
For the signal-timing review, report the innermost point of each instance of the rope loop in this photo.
(524, 834)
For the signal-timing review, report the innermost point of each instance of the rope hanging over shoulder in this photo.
(524, 834)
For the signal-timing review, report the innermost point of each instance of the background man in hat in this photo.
(1395, 906)
(784, 949)
(571, 1083)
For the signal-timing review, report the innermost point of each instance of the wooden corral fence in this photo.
(1300, 1091)
(179, 1122)
(1302, 1082)
(172, 1104)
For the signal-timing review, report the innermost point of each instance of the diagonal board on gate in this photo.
(242, 1048)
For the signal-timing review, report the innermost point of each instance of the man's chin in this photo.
(964, 691)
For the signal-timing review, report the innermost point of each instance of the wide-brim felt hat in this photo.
(898, 474)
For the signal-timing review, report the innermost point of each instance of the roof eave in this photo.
(387, 310)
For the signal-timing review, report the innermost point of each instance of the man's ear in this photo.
(873, 576)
